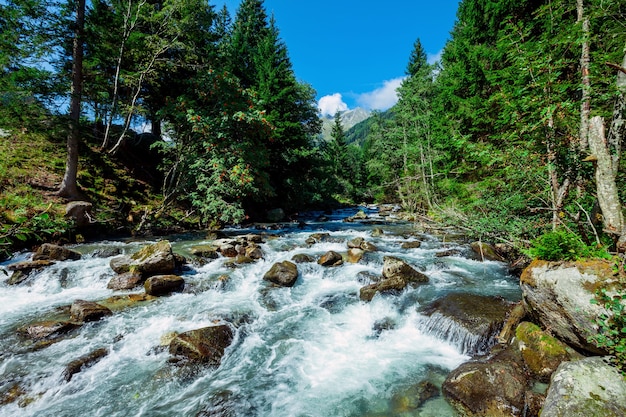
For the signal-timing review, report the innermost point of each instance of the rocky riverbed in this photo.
(365, 317)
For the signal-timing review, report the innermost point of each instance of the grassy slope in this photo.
(32, 163)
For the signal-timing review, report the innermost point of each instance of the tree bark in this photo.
(606, 186)
(69, 186)
(585, 107)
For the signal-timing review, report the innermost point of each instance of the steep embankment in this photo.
(32, 163)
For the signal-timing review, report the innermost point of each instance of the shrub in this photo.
(562, 245)
(612, 325)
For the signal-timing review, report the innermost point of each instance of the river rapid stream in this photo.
(312, 350)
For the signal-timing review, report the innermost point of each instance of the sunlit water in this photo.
(311, 350)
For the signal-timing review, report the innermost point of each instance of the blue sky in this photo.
(354, 52)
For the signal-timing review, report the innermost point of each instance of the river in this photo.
(311, 350)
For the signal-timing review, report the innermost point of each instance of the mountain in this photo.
(349, 118)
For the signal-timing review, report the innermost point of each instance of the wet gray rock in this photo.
(22, 270)
(160, 285)
(85, 311)
(283, 273)
(587, 387)
(125, 281)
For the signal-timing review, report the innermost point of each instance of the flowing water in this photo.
(311, 350)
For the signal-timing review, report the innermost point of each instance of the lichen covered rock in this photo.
(584, 388)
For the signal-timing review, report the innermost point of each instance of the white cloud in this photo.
(382, 98)
(329, 105)
(434, 58)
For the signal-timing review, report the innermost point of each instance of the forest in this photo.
(516, 132)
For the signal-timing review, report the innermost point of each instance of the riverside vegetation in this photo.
(515, 136)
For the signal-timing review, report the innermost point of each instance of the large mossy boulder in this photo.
(558, 296)
(283, 274)
(584, 388)
(542, 353)
(205, 345)
(154, 259)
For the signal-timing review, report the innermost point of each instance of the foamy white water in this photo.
(311, 350)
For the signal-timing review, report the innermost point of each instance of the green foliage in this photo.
(563, 245)
(24, 230)
(612, 325)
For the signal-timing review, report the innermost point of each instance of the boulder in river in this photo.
(22, 270)
(397, 274)
(159, 285)
(302, 258)
(125, 281)
(494, 386)
(205, 251)
(283, 273)
(558, 295)
(414, 397)
(330, 258)
(83, 362)
(587, 387)
(153, 259)
(205, 345)
(396, 268)
(84, 311)
(51, 252)
(470, 321)
(47, 330)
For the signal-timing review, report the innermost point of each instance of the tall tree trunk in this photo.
(69, 187)
(585, 106)
(606, 187)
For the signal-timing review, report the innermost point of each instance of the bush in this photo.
(612, 326)
(561, 245)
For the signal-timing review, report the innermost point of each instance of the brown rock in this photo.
(485, 251)
(330, 258)
(83, 362)
(355, 255)
(47, 329)
(159, 285)
(283, 273)
(84, 311)
(411, 245)
(79, 212)
(48, 251)
(301, 258)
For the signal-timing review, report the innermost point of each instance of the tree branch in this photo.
(616, 66)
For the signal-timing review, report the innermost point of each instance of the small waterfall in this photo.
(467, 341)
